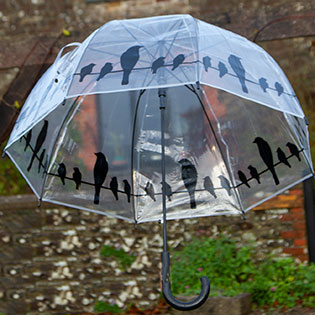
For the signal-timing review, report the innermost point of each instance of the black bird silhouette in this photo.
(149, 189)
(77, 177)
(127, 189)
(238, 68)
(28, 139)
(168, 191)
(86, 70)
(62, 172)
(158, 63)
(114, 186)
(222, 69)
(178, 60)
(39, 142)
(40, 161)
(253, 172)
(279, 88)
(100, 172)
(294, 150)
(282, 158)
(206, 62)
(243, 178)
(128, 60)
(263, 84)
(107, 68)
(225, 184)
(266, 155)
(189, 176)
(208, 185)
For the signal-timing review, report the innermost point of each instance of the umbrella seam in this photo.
(229, 170)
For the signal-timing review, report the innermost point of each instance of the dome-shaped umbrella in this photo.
(162, 118)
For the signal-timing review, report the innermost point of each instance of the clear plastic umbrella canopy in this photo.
(89, 134)
(162, 118)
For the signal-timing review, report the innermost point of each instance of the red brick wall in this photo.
(292, 225)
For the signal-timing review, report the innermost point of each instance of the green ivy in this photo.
(101, 306)
(232, 270)
(124, 259)
(11, 181)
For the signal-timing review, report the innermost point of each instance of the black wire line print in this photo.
(131, 56)
(188, 173)
(267, 157)
(40, 159)
(39, 142)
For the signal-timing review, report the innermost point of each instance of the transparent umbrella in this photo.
(162, 118)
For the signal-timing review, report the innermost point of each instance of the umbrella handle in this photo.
(62, 49)
(171, 300)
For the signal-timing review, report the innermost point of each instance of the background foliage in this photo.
(233, 270)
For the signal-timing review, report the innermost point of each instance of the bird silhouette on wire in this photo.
(168, 191)
(208, 185)
(253, 173)
(263, 84)
(39, 142)
(41, 159)
(100, 172)
(62, 172)
(239, 70)
(128, 61)
(266, 155)
(77, 177)
(225, 184)
(206, 62)
(158, 63)
(149, 189)
(114, 187)
(279, 88)
(107, 68)
(294, 150)
(177, 61)
(85, 71)
(127, 189)
(28, 139)
(243, 178)
(282, 158)
(189, 177)
(222, 69)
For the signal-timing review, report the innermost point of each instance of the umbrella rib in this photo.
(217, 141)
(135, 38)
(132, 146)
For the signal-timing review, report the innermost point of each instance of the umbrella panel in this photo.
(33, 151)
(241, 122)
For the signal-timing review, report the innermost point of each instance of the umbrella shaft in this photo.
(162, 95)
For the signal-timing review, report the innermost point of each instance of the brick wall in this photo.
(50, 257)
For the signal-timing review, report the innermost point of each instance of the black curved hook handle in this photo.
(171, 300)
